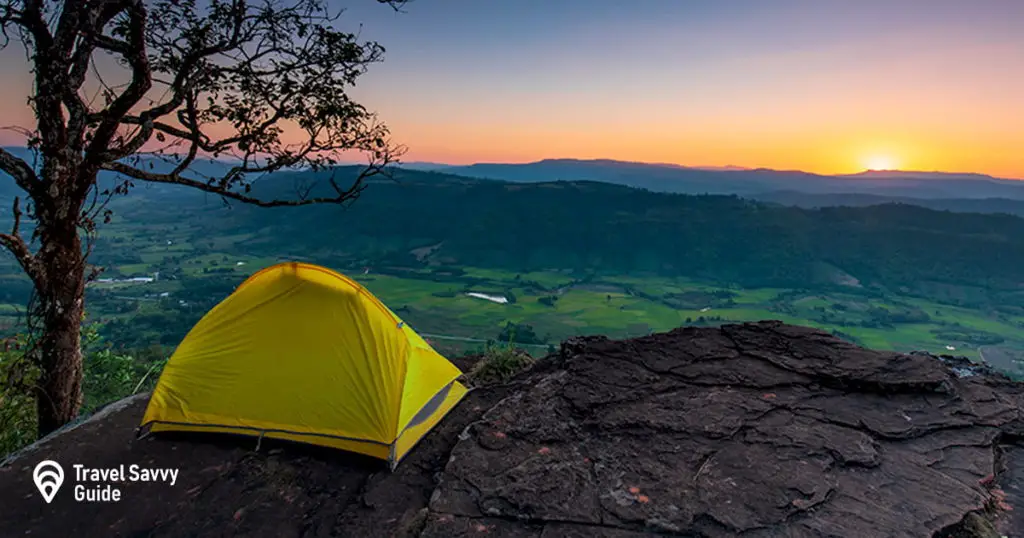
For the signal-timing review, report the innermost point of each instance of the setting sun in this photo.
(880, 162)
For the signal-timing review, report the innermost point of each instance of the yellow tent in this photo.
(302, 353)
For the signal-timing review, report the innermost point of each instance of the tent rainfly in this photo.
(302, 353)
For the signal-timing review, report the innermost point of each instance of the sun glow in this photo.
(880, 162)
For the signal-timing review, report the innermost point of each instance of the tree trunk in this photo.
(61, 304)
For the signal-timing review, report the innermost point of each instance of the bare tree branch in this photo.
(30, 18)
(342, 195)
(14, 243)
(141, 82)
(90, 29)
(24, 176)
(47, 63)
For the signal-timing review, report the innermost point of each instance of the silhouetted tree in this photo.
(521, 333)
(201, 78)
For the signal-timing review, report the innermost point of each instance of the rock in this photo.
(758, 430)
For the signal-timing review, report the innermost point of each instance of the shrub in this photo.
(112, 375)
(17, 404)
(108, 377)
(499, 364)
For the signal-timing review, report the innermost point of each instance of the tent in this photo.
(302, 353)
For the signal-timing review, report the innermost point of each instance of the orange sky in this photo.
(825, 86)
(832, 111)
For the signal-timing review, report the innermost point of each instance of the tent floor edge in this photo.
(378, 450)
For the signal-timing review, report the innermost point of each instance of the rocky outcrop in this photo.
(753, 430)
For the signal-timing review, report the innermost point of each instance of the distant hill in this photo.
(654, 177)
(911, 174)
(745, 182)
(958, 205)
(726, 168)
(425, 166)
(672, 178)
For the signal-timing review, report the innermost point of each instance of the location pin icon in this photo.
(48, 477)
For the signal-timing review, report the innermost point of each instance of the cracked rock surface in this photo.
(760, 429)
(753, 430)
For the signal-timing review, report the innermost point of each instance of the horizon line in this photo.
(708, 168)
(718, 168)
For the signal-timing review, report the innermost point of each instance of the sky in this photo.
(826, 86)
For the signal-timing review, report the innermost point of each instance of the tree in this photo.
(261, 81)
(521, 333)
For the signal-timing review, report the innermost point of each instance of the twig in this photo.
(143, 380)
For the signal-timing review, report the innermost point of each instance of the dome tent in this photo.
(302, 353)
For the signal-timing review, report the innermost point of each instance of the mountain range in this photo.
(750, 182)
(891, 185)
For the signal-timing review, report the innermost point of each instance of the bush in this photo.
(18, 425)
(110, 376)
(499, 364)
(549, 300)
(521, 333)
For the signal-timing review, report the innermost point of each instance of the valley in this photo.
(455, 307)
(471, 263)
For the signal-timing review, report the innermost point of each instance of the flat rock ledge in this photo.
(759, 429)
(755, 430)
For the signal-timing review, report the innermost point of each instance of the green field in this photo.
(609, 305)
(618, 306)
